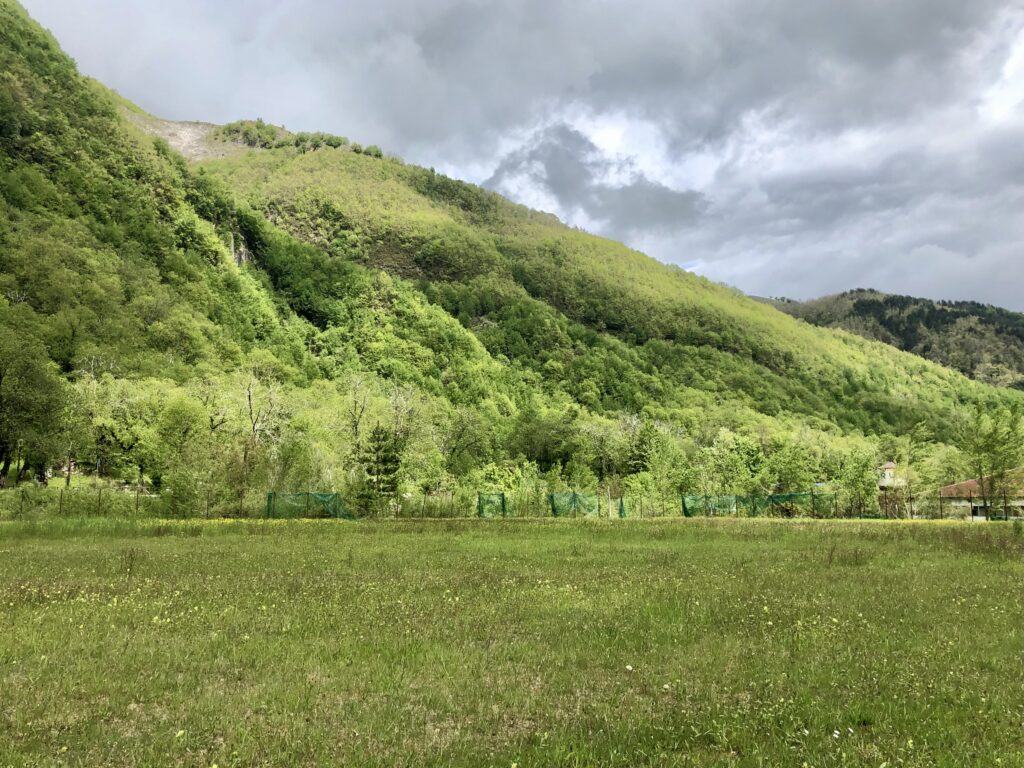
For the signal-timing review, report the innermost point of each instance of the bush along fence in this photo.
(820, 505)
(311, 505)
(29, 500)
(573, 504)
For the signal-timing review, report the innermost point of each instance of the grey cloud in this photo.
(569, 166)
(844, 142)
(481, 68)
(922, 222)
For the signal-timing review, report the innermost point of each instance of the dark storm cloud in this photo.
(786, 146)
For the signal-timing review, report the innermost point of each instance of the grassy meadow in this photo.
(502, 643)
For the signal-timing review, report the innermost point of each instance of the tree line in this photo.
(220, 443)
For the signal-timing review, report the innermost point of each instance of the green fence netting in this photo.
(778, 505)
(491, 505)
(573, 504)
(294, 505)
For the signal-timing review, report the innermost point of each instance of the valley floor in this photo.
(529, 643)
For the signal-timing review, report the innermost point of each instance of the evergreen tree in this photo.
(381, 462)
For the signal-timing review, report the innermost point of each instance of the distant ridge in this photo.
(981, 341)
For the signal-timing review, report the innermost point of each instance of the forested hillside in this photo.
(979, 340)
(619, 329)
(309, 314)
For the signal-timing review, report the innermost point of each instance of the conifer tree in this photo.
(381, 461)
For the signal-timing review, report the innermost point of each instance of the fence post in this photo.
(60, 503)
(21, 503)
(137, 490)
(99, 498)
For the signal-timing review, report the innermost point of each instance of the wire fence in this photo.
(30, 500)
(818, 505)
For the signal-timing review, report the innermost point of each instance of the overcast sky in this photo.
(787, 147)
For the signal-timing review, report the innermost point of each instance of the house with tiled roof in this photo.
(972, 493)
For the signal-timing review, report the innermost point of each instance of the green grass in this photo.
(570, 643)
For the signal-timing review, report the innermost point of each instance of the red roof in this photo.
(968, 488)
(964, 489)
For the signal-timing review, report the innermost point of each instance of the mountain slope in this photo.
(103, 255)
(123, 261)
(619, 329)
(979, 340)
(297, 312)
(122, 265)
